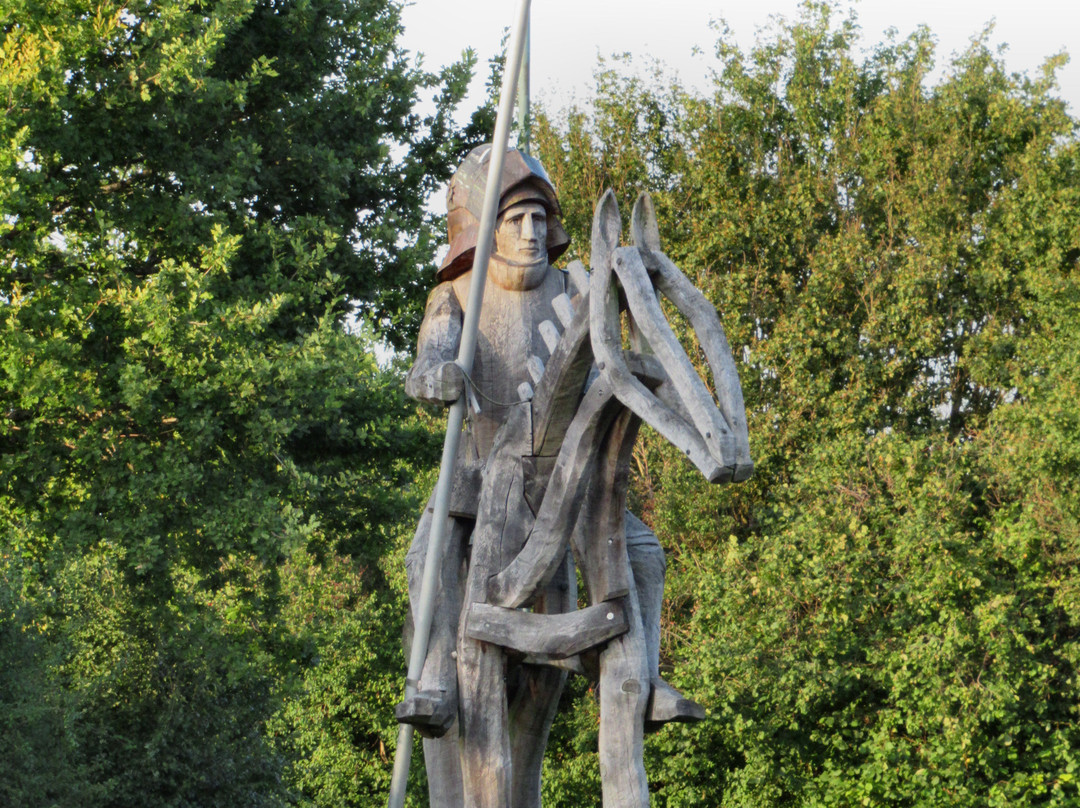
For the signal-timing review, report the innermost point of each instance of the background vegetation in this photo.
(206, 480)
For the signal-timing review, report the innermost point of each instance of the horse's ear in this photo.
(643, 227)
(606, 226)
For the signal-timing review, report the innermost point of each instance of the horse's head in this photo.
(710, 432)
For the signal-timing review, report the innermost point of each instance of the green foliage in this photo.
(207, 485)
(194, 198)
(885, 614)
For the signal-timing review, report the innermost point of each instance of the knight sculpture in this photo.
(485, 700)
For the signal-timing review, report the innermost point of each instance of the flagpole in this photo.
(456, 417)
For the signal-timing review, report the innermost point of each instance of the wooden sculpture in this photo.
(560, 402)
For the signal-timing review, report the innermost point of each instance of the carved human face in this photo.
(521, 234)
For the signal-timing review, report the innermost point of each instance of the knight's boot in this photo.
(668, 704)
(430, 711)
(433, 708)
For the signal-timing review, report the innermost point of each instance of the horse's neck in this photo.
(509, 335)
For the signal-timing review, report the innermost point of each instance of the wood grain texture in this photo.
(559, 392)
(606, 338)
(517, 584)
(702, 316)
(579, 278)
(536, 698)
(708, 422)
(557, 636)
(624, 695)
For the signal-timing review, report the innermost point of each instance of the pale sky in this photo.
(569, 35)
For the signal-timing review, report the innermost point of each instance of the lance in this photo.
(456, 417)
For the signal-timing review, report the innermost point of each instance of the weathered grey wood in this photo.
(442, 760)
(706, 324)
(606, 337)
(550, 332)
(557, 636)
(641, 298)
(556, 477)
(465, 490)
(531, 712)
(537, 469)
(440, 669)
(702, 316)
(599, 539)
(517, 584)
(644, 229)
(535, 366)
(510, 333)
(559, 392)
(579, 278)
(536, 698)
(564, 309)
(645, 368)
(481, 667)
(606, 226)
(624, 695)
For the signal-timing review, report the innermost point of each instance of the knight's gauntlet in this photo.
(444, 384)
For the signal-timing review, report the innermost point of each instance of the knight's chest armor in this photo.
(509, 333)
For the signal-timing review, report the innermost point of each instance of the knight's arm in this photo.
(434, 377)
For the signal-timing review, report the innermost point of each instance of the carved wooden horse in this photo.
(557, 479)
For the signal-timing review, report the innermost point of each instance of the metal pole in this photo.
(523, 109)
(456, 417)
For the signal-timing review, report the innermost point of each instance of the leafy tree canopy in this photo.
(885, 614)
(194, 196)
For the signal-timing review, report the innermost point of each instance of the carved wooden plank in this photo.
(557, 636)
(706, 324)
(606, 226)
(646, 368)
(502, 520)
(564, 309)
(570, 664)
(644, 230)
(579, 278)
(531, 714)
(537, 471)
(509, 323)
(624, 695)
(599, 538)
(535, 367)
(641, 298)
(559, 392)
(521, 580)
(702, 316)
(606, 339)
(536, 691)
(550, 332)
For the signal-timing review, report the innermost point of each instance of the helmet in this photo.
(523, 180)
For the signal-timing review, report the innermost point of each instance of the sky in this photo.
(568, 36)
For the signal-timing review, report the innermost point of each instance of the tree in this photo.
(194, 197)
(880, 616)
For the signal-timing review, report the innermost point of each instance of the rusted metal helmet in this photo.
(523, 180)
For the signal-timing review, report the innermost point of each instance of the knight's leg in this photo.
(434, 707)
(442, 761)
(537, 699)
(624, 694)
(648, 564)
